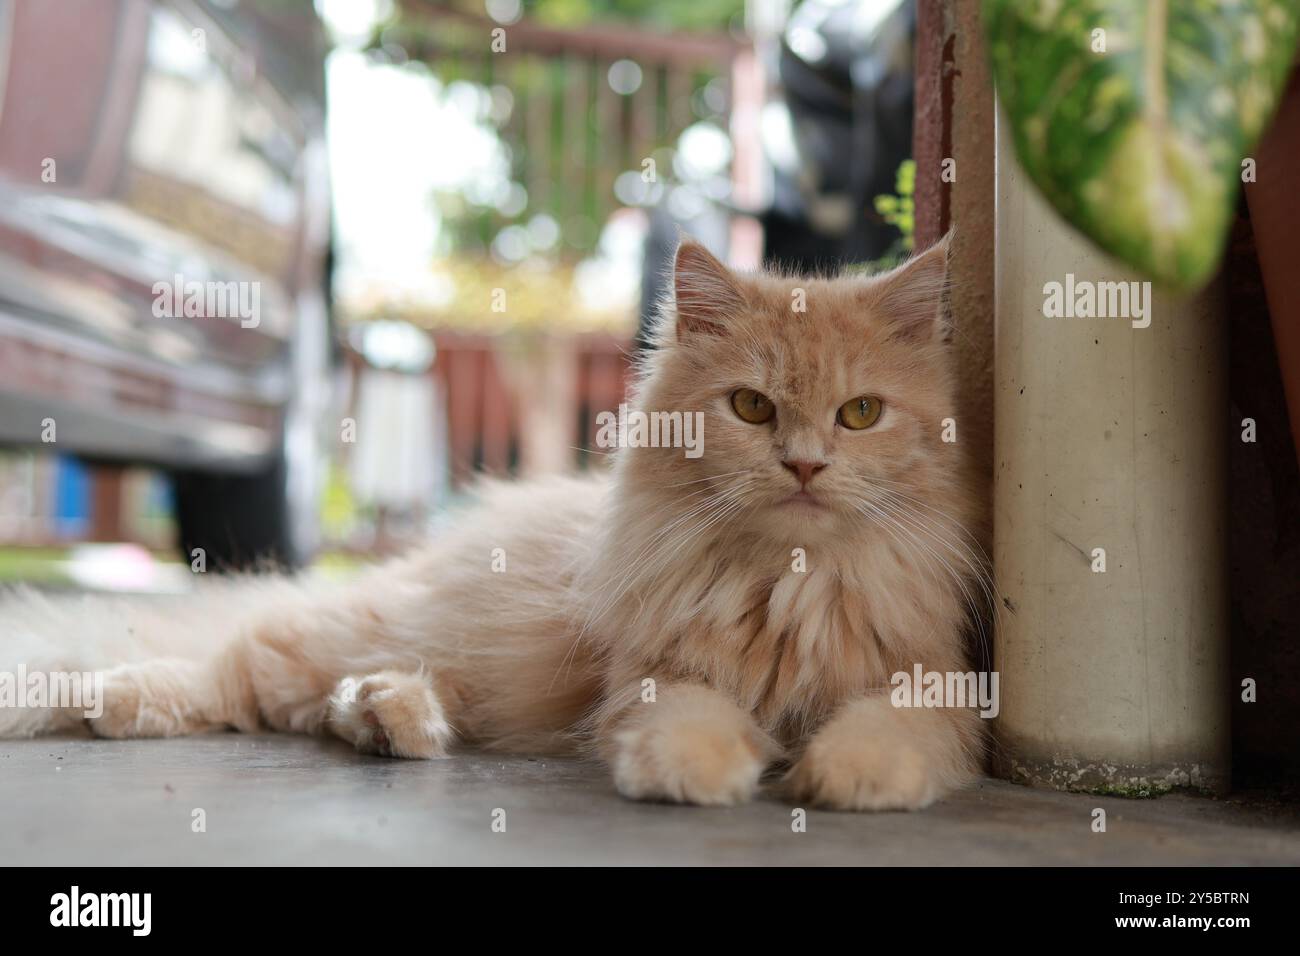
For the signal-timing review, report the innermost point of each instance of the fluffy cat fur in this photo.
(668, 569)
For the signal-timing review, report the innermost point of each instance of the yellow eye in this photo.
(861, 412)
(754, 407)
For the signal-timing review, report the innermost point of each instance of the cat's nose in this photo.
(804, 469)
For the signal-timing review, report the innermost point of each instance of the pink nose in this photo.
(804, 469)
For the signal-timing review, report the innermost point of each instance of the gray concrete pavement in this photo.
(297, 800)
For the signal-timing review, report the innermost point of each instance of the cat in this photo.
(694, 621)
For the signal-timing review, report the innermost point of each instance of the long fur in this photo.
(654, 614)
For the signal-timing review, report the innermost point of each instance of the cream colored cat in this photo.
(693, 620)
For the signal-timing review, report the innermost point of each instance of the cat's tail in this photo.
(61, 652)
(56, 647)
(31, 659)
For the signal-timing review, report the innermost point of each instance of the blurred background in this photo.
(278, 278)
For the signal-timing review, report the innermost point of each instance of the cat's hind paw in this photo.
(154, 699)
(390, 713)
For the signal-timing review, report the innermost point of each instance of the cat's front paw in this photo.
(873, 757)
(687, 761)
(863, 775)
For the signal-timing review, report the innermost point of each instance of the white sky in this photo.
(393, 141)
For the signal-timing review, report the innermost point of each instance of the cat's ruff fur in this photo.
(653, 614)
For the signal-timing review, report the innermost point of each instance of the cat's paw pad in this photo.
(687, 762)
(390, 714)
(863, 774)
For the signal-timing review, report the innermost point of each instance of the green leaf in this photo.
(1140, 145)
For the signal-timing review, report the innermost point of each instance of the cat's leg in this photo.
(242, 687)
(158, 698)
(265, 678)
(690, 744)
(872, 755)
(277, 677)
(391, 713)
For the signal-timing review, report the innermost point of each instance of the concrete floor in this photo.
(296, 800)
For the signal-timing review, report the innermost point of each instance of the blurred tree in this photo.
(586, 93)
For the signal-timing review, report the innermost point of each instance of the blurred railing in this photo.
(524, 406)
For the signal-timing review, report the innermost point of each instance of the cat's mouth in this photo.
(803, 499)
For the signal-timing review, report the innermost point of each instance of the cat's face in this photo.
(823, 400)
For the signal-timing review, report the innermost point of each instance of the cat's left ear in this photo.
(910, 297)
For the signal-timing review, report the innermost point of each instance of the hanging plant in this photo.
(1136, 118)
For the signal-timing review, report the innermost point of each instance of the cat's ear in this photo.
(910, 297)
(706, 295)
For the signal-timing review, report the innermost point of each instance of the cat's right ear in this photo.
(706, 296)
